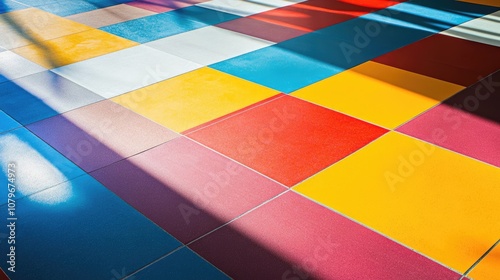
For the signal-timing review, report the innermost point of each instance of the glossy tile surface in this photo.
(99, 134)
(209, 45)
(262, 138)
(76, 203)
(194, 98)
(125, 70)
(310, 241)
(401, 194)
(379, 94)
(478, 30)
(185, 188)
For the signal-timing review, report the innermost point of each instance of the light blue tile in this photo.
(7, 123)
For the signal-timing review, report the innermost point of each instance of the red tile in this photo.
(317, 14)
(186, 188)
(447, 58)
(287, 139)
(292, 237)
(261, 29)
(100, 134)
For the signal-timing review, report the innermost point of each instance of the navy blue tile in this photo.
(183, 264)
(158, 26)
(80, 230)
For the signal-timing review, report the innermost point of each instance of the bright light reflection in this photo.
(34, 172)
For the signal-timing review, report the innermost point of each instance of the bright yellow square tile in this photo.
(489, 267)
(378, 93)
(194, 98)
(73, 48)
(435, 201)
(494, 3)
(32, 26)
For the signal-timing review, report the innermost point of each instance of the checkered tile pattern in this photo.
(237, 139)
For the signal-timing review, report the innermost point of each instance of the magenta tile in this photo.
(468, 122)
(100, 134)
(292, 237)
(186, 188)
(261, 29)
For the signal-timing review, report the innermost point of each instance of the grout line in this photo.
(480, 259)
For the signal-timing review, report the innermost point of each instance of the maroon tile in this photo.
(292, 237)
(100, 134)
(447, 58)
(186, 188)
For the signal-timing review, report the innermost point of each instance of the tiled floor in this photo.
(237, 139)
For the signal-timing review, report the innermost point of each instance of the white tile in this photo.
(126, 70)
(484, 30)
(110, 15)
(245, 7)
(14, 66)
(209, 44)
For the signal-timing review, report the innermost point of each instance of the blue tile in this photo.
(81, 230)
(181, 265)
(159, 26)
(277, 68)
(38, 165)
(7, 123)
(9, 6)
(42, 95)
(70, 7)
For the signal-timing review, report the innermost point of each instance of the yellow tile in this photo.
(73, 48)
(494, 3)
(194, 98)
(379, 94)
(32, 26)
(489, 267)
(437, 202)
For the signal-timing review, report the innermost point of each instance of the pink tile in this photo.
(100, 134)
(292, 237)
(468, 123)
(186, 188)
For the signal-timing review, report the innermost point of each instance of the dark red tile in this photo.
(446, 58)
(186, 188)
(287, 139)
(292, 237)
(100, 134)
